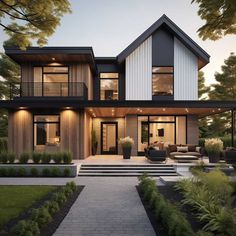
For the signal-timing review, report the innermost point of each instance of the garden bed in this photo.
(48, 228)
(189, 206)
(38, 170)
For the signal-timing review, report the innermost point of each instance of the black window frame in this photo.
(118, 90)
(44, 122)
(42, 79)
(148, 122)
(163, 97)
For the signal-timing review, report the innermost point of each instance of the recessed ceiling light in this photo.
(53, 58)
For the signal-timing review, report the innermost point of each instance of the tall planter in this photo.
(126, 145)
(126, 152)
(213, 147)
(214, 157)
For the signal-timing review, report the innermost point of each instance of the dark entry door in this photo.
(109, 136)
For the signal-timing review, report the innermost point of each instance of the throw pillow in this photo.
(198, 149)
(191, 148)
(182, 149)
(172, 148)
(156, 148)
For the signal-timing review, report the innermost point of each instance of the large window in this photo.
(109, 86)
(46, 133)
(162, 81)
(51, 81)
(161, 131)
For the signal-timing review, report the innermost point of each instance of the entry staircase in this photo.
(122, 170)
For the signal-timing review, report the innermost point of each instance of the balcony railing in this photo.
(47, 89)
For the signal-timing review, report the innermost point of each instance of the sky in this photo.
(109, 26)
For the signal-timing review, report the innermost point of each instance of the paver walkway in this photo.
(106, 206)
(111, 207)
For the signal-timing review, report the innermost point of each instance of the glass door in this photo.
(109, 138)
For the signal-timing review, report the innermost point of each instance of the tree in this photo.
(225, 88)
(28, 20)
(10, 73)
(220, 17)
(202, 88)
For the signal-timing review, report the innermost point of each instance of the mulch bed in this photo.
(175, 198)
(156, 224)
(57, 218)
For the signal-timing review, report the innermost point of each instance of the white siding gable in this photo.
(139, 72)
(185, 73)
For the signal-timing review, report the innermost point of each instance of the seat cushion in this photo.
(172, 154)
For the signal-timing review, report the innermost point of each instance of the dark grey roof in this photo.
(173, 28)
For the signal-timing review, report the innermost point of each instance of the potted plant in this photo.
(213, 147)
(94, 143)
(126, 144)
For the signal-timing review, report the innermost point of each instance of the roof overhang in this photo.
(203, 56)
(199, 108)
(47, 55)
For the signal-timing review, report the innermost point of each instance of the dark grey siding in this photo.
(162, 48)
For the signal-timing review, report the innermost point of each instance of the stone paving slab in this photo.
(106, 206)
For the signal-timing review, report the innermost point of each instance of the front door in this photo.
(109, 138)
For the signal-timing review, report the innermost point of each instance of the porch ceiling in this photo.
(122, 111)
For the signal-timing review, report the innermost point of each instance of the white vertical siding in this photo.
(139, 72)
(185, 73)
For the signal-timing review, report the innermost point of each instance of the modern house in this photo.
(148, 92)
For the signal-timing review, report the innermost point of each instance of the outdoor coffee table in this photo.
(185, 158)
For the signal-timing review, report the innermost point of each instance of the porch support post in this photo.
(232, 127)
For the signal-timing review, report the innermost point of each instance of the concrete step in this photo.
(126, 168)
(127, 171)
(124, 174)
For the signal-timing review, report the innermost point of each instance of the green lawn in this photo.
(15, 199)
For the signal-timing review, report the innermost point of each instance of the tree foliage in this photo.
(10, 73)
(202, 88)
(27, 20)
(225, 88)
(220, 17)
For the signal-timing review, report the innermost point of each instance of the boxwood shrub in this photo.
(3, 172)
(55, 172)
(11, 172)
(21, 171)
(67, 157)
(34, 172)
(46, 158)
(3, 157)
(24, 158)
(11, 157)
(46, 172)
(57, 157)
(41, 216)
(3, 145)
(25, 228)
(36, 157)
(66, 172)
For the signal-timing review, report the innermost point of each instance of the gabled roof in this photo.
(178, 33)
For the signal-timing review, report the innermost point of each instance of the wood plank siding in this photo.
(70, 132)
(20, 131)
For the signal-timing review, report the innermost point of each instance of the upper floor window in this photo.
(51, 81)
(162, 81)
(109, 86)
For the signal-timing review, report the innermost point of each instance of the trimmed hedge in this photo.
(34, 172)
(170, 216)
(42, 216)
